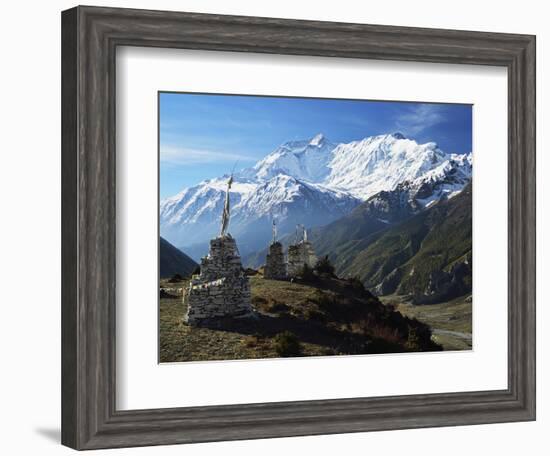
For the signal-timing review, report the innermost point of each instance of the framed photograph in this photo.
(279, 228)
(318, 247)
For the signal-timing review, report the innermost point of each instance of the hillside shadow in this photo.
(268, 325)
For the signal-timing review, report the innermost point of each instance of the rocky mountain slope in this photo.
(427, 255)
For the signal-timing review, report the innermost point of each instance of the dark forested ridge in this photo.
(173, 261)
(427, 254)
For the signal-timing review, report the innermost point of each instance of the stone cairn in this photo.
(275, 265)
(222, 289)
(300, 254)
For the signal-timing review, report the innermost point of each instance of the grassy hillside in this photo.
(321, 316)
(173, 261)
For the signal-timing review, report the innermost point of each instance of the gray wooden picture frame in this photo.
(90, 36)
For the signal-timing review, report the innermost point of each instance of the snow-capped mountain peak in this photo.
(317, 140)
(398, 135)
(363, 167)
(304, 159)
(380, 163)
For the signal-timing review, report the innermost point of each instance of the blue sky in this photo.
(203, 136)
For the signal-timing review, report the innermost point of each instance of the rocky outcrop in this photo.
(389, 283)
(446, 285)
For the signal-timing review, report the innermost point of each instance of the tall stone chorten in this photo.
(222, 289)
(275, 265)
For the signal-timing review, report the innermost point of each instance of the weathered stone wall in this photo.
(221, 289)
(223, 260)
(218, 299)
(298, 255)
(275, 265)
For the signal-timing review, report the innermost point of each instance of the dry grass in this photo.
(326, 321)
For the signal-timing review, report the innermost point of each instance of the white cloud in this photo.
(420, 117)
(184, 156)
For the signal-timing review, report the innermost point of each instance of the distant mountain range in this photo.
(363, 186)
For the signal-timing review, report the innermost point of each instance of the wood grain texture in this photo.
(69, 175)
(89, 39)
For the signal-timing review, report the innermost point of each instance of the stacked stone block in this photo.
(222, 289)
(275, 265)
(299, 255)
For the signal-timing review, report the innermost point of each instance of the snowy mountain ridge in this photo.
(361, 168)
(313, 182)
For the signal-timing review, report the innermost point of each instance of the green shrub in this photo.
(307, 274)
(356, 283)
(250, 341)
(324, 266)
(287, 344)
(176, 278)
(259, 302)
(165, 295)
(314, 315)
(325, 302)
(277, 307)
(413, 341)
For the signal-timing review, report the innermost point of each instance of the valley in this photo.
(451, 321)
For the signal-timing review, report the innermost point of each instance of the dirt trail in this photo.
(452, 340)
